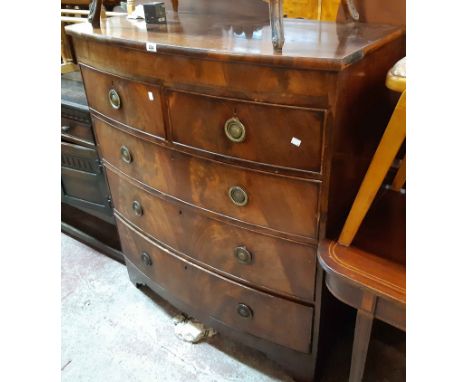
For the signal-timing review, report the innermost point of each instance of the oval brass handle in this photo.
(137, 208)
(146, 259)
(244, 311)
(234, 130)
(125, 154)
(66, 128)
(238, 196)
(242, 255)
(114, 99)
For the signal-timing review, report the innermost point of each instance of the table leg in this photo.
(362, 334)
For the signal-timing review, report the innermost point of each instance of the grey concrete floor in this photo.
(113, 332)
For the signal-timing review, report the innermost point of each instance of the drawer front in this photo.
(77, 131)
(274, 135)
(267, 262)
(261, 314)
(279, 203)
(132, 103)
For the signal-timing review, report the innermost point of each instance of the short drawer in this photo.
(274, 135)
(280, 203)
(77, 131)
(270, 263)
(235, 305)
(132, 103)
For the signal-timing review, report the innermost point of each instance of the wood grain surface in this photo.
(219, 295)
(266, 125)
(137, 107)
(279, 266)
(275, 202)
(309, 44)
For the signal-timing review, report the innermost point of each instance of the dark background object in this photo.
(155, 13)
(86, 205)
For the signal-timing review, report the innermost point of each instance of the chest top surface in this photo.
(309, 44)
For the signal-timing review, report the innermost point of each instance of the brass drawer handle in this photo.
(125, 154)
(242, 255)
(137, 208)
(146, 259)
(244, 311)
(238, 196)
(234, 130)
(114, 99)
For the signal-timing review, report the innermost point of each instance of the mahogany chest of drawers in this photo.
(227, 163)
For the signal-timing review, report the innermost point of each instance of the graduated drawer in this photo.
(274, 264)
(132, 103)
(235, 305)
(274, 135)
(279, 203)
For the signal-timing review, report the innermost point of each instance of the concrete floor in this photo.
(113, 332)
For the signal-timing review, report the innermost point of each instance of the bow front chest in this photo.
(227, 162)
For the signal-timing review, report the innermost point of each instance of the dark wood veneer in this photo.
(167, 270)
(278, 265)
(266, 125)
(133, 96)
(206, 184)
(309, 44)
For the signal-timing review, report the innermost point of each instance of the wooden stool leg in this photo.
(362, 334)
(389, 145)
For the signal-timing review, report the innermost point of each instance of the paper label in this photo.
(151, 47)
(150, 96)
(295, 141)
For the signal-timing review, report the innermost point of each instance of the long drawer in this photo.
(260, 314)
(279, 203)
(274, 264)
(132, 103)
(281, 136)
